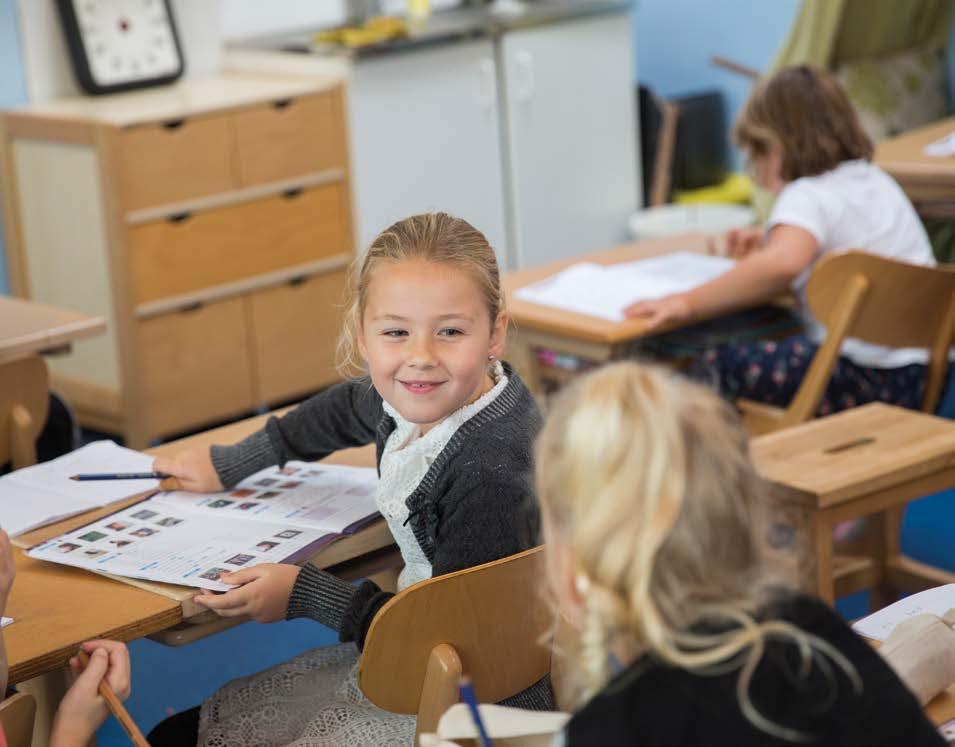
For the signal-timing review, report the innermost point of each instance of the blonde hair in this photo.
(647, 477)
(433, 237)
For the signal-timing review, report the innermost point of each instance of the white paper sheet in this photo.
(942, 147)
(41, 494)
(879, 625)
(190, 539)
(604, 291)
(4, 621)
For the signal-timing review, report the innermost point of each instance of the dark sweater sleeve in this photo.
(344, 415)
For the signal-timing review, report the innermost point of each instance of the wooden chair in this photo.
(24, 403)
(485, 621)
(16, 717)
(878, 300)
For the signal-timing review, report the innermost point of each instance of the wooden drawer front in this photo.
(162, 164)
(279, 142)
(195, 366)
(171, 257)
(294, 332)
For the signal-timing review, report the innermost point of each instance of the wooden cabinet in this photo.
(209, 222)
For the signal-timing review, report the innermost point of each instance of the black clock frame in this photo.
(81, 64)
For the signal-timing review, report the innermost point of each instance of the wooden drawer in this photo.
(191, 252)
(175, 161)
(195, 366)
(290, 138)
(294, 333)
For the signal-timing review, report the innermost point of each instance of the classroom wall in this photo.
(12, 88)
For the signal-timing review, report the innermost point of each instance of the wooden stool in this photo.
(866, 462)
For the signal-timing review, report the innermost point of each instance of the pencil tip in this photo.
(74, 477)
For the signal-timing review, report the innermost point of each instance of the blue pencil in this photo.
(120, 476)
(467, 696)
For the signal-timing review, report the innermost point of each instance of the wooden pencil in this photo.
(115, 707)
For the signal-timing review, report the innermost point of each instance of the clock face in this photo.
(121, 44)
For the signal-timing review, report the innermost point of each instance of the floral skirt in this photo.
(312, 700)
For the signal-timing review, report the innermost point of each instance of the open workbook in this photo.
(276, 515)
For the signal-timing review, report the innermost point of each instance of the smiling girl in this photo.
(453, 427)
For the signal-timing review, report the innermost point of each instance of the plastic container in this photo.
(667, 220)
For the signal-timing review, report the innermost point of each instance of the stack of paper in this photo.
(605, 291)
(42, 494)
(879, 625)
(276, 515)
(942, 147)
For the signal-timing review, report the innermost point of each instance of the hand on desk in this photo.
(263, 594)
(191, 470)
(669, 309)
(82, 709)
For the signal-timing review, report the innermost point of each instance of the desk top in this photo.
(27, 327)
(51, 603)
(581, 326)
(917, 173)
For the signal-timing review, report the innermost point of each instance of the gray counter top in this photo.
(445, 27)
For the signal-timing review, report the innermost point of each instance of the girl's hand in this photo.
(82, 709)
(263, 595)
(8, 569)
(669, 309)
(191, 470)
(743, 241)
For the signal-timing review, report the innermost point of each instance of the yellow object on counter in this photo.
(736, 188)
(419, 8)
(373, 31)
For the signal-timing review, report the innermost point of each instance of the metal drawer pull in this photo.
(179, 217)
(173, 124)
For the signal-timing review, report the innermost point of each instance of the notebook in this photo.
(879, 625)
(277, 515)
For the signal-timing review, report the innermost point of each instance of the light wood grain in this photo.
(290, 335)
(196, 367)
(27, 327)
(492, 616)
(24, 402)
(17, 714)
(922, 177)
(162, 163)
(288, 138)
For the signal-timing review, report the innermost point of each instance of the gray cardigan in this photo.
(474, 505)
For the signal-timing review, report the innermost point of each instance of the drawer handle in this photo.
(282, 103)
(190, 308)
(173, 124)
(291, 194)
(179, 217)
(297, 280)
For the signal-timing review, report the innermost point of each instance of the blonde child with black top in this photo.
(806, 147)
(453, 426)
(650, 508)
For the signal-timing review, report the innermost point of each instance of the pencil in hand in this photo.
(119, 476)
(115, 706)
(467, 696)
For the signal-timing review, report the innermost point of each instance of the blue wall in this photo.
(12, 87)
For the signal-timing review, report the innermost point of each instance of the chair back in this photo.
(17, 714)
(880, 301)
(24, 403)
(492, 615)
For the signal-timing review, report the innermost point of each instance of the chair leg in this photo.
(22, 445)
(440, 689)
(816, 575)
(888, 525)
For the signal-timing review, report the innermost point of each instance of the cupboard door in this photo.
(295, 330)
(173, 161)
(290, 138)
(195, 366)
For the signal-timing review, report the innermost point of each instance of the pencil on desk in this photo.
(467, 695)
(120, 476)
(115, 707)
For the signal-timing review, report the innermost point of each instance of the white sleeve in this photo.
(801, 206)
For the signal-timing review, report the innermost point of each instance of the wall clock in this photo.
(119, 45)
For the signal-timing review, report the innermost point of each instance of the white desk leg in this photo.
(48, 689)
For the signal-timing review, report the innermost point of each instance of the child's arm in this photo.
(82, 709)
(8, 570)
(757, 278)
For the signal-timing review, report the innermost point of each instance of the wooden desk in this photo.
(929, 181)
(588, 337)
(28, 328)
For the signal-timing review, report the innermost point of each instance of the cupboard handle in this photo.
(282, 103)
(190, 308)
(297, 280)
(173, 124)
(179, 217)
(291, 194)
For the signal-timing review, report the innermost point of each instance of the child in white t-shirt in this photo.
(806, 146)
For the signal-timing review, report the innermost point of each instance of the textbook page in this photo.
(604, 291)
(42, 494)
(879, 625)
(191, 539)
